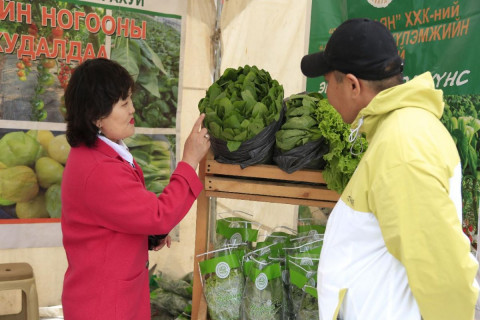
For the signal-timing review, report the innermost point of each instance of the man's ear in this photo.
(354, 84)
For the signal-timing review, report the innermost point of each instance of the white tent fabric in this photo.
(271, 34)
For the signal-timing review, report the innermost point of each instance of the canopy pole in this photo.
(216, 42)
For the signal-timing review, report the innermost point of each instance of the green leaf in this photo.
(303, 122)
(148, 53)
(148, 80)
(233, 145)
(232, 122)
(259, 110)
(127, 53)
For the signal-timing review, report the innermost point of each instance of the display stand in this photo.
(266, 183)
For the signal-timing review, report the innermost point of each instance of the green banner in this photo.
(437, 36)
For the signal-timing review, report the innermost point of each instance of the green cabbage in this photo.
(19, 149)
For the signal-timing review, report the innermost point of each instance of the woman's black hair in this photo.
(95, 86)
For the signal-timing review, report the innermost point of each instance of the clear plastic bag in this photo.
(222, 283)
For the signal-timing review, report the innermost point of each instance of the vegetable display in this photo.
(253, 281)
(240, 104)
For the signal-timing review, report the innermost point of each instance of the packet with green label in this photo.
(264, 291)
(233, 228)
(222, 282)
(302, 269)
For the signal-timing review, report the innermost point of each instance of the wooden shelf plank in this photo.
(270, 188)
(263, 171)
(271, 199)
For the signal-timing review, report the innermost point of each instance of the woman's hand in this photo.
(165, 241)
(197, 144)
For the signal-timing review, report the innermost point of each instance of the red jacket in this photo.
(107, 215)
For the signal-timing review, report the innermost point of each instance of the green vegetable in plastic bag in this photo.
(264, 291)
(309, 306)
(235, 231)
(302, 270)
(300, 124)
(240, 104)
(222, 286)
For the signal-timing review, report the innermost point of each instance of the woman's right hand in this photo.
(197, 144)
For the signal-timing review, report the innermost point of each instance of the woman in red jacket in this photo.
(107, 213)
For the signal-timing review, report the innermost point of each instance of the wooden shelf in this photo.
(265, 183)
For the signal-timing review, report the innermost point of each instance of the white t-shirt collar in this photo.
(121, 148)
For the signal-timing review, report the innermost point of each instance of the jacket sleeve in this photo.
(117, 198)
(422, 230)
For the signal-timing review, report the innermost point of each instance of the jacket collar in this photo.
(419, 92)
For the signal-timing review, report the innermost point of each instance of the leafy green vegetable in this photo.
(223, 284)
(180, 286)
(240, 104)
(309, 305)
(302, 269)
(172, 302)
(341, 163)
(264, 292)
(300, 125)
(224, 296)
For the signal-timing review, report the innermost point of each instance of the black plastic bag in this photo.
(308, 156)
(257, 150)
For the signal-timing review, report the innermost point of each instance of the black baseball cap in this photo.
(360, 46)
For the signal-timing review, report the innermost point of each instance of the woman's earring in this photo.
(99, 130)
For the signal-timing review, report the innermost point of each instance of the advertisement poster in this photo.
(437, 36)
(41, 43)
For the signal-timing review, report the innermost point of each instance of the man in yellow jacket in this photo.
(394, 246)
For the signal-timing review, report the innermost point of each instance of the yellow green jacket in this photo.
(394, 246)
